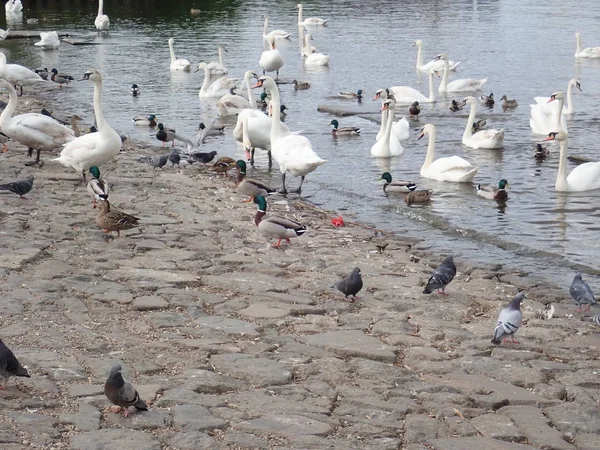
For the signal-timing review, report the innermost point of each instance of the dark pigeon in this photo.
(20, 187)
(582, 293)
(350, 285)
(203, 157)
(10, 365)
(174, 157)
(509, 320)
(155, 161)
(441, 277)
(121, 393)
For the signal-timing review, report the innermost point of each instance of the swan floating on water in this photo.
(277, 34)
(232, 103)
(309, 20)
(218, 68)
(407, 94)
(313, 58)
(547, 116)
(462, 85)
(400, 128)
(13, 6)
(434, 64)
(218, 88)
(490, 139)
(589, 52)
(102, 23)
(49, 40)
(271, 60)
(387, 145)
(177, 64)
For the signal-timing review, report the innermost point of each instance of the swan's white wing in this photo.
(401, 129)
(234, 101)
(82, 145)
(31, 122)
(407, 94)
(543, 118)
(294, 154)
(317, 59)
(466, 84)
(585, 177)
(450, 163)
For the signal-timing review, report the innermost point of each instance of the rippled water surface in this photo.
(525, 48)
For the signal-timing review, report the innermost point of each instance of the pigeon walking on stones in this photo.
(174, 157)
(10, 365)
(351, 285)
(20, 187)
(203, 157)
(441, 277)
(122, 393)
(155, 161)
(509, 320)
(595, 320)
(582, 293)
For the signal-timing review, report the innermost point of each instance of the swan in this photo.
(584, 177)
(277, 34)
(451, 168)
(462, 85)
(309, 20)
(271, 60)
(17, 75)
(313, 58)
(102, 23)
(434, 64)
(13, 6)
(218, 88)
(589, 52)
(293, 153)
(218, 68)
(3, 34)
(482, 139)
(406, 94)
(388, 145)
(178, 64)
(36, 131)
(546, 117)
(93, 149)
(231, 104)
(400, 129)
(49, 40)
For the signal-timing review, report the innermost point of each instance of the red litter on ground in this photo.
(338, 222)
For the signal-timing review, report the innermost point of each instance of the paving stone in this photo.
(421, 428)
(229, 326)
(258, 372)
(475, 443)
(194, 440)
(497, 426)
(114, 438)
(285, 425)
(41, 426)
(353, 343)
(574, 418)
(263, 311)
(190, 418)
(87, 418)
(148, 303)
(182, 396)
(207, 382)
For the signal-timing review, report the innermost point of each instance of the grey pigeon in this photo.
(203, 157)
(509, 320)
(174, 157)
(10, 365)
(351, 285)
(121, 393)
(582, 293)
(441, 277)
(20, 187)
(155, 161)
(595, 320)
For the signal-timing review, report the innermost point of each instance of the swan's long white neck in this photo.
(431, 90)
(430, 148)
(299, 14)
(444, 83)
(419, 55)
(275, 105)
(12, 104)
(469, 130)
(558, 115)
(569, 105)
(266, 26)
(307, 47)
(101, 123)
(221, 55)
(100, 7)
(578, 43)
(561, 176)
(251, 99)
(301, 37)
(204, 86)
(172, 50)
(382, 128)
(388, 127)
(245, 138)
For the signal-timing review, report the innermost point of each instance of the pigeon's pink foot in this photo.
(125, 412)
(2, 388)
(514, 341)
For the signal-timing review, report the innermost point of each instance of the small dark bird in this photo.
(155, 161)
(174, 157)
(20, 187)
(135, 90)
(10, 365)
(441, 277)
(351, 285)
(212, 131)
(478, 126)
(61, 78)
(540, 152)
(121, 393)
(414, 110)
(283, 114)
(509, 320)
(488, 100)
(582, 293)
(203, 157)
(455, 106)
(42, 72)
(45, 112)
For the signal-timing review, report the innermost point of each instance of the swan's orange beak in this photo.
(385, 107)
(259, 83)
(376, 96)
(549, 138)
(552, 98)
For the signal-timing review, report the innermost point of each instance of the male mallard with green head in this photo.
(493, 193)
(114, 220)
(396, 186)
(248, 186)
(97, 187)
(344, 131)
(145, 121)
(276, 226)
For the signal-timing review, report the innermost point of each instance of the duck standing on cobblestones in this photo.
(114, 220)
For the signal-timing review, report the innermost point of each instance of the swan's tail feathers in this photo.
(483, 81)
(456, 65)
(358, 131)
(61, 160)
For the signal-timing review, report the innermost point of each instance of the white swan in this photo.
(451, 168)
(4, 33)
(36, 131)
(231, 104)
(313, 58)
(589, 52)
(13, 6)
(277, 34)
(388, 145)
(271, 60)
(177, 64)
(17, 75)
(102, 23)
(489, 139)
(309, 20)
(218, 68)
(49, 40)
(293, 153)
(400, 128)
(218, 88)
(462, 85)
(92, 149)
(407, 94)
(434, 64)
(546, 116)
(584, 177)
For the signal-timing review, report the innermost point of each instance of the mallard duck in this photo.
(423, 196)
(352, 95)
(282, 112)
(488, 100)
(145, 121)
(223, 165)
(541, 152)
(396, 186)
(213, 131)
(455, 106)
(493, 193)
(414, 110)
(74, 122)
(42, 72)
(263, 102)
(478, 126)
(165, 134)
(97, 187)
(276, 226)
(301, 85)
(344, 131)
(195, 12)
(248, 186)
(111, 221)
(507, 104)
(61, 78)
(135, 90)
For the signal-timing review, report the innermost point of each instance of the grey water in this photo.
(524, 47)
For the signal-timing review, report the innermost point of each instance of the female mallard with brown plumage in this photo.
(248, 186)
(276, 226)
(223, 164)
(97, 187)
(114, 220)
(423, 196)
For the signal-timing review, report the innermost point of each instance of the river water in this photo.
(524, 47)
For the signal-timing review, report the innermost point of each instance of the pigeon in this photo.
(582, 293)
(20, 187)
(509, 320)
(121, 393)
(155, 161)
(350, 285)
(174, 157)
(203, 157)
(595, 320)
(441, 277)
(10, 365)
